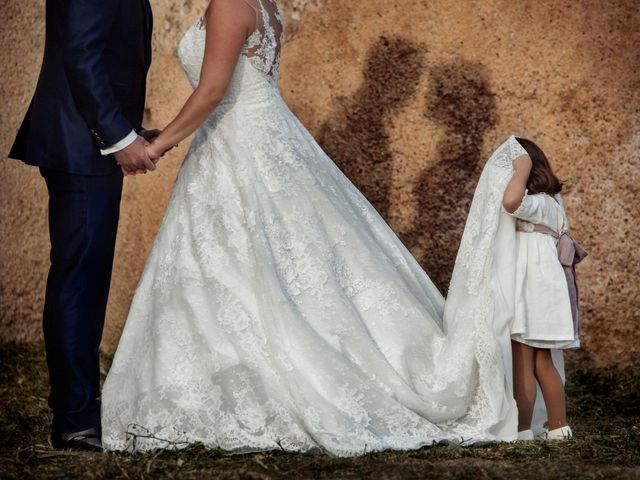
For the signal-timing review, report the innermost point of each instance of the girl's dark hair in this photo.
(541, 179)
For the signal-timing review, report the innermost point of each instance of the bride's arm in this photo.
(228, 24)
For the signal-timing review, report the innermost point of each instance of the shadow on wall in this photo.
(357, 140)
(460, 101)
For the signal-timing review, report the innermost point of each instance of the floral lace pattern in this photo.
(278, 310)
(482, 222)
(262, 48)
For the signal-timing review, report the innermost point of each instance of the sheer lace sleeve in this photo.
(263, 46)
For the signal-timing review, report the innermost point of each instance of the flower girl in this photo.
(546, 294)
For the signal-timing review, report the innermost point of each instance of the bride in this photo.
(277, 309)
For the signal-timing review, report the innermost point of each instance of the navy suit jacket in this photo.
(92, 85)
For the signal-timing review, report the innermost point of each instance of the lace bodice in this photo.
(261, 50)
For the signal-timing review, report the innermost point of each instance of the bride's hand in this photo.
(153, 153)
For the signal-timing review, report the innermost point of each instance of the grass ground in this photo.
(604, 409)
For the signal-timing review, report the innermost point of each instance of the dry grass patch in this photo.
(604, 410)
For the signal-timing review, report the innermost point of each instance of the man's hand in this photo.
(149, 136)
(134, 158)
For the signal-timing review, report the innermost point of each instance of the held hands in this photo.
(147, 158)
(154, 153)
(134, 158)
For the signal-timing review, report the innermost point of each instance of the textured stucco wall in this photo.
(409, 97)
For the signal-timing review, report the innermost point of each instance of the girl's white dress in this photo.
(542, 305)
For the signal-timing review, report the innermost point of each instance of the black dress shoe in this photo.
(86, 440)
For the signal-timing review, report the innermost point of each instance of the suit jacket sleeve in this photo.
(86, 26)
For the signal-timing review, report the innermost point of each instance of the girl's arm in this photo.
(228, 25)
(517, 187)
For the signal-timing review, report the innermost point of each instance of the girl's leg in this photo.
(552, 389)
(524, 382)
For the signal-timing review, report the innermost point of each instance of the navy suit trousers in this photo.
(83, 221)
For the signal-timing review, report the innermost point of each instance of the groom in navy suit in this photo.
(84, 129)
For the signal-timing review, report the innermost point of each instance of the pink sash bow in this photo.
(570, 253)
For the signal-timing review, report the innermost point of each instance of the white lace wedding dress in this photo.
(278, 310)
